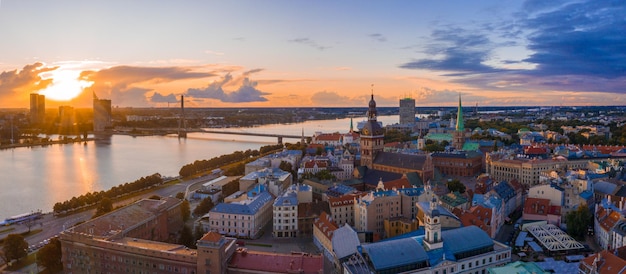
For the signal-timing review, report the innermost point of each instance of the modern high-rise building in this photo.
(101, 114)
(66, 117)
(407, 111)
(37, 108)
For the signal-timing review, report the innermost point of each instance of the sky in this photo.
(291, 53)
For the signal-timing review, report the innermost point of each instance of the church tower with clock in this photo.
(372, 135)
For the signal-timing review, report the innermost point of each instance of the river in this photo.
(35, 178)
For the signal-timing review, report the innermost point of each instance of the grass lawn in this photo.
(7, 230)
(30, 259)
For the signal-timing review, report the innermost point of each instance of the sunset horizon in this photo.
(325, 54)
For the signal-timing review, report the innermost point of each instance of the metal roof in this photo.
(345, 241)
(391, 254)
(247, 207)
(553, 238)
(465, 239)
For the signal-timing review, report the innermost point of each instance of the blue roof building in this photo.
(244, 216)
(396, 256)
(465, 249)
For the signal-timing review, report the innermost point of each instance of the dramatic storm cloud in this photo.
(127, 85)
(158, 98)
(16, 85)
(574, 46)
(246, 92)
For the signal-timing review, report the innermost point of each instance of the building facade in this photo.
(37, 108)
(101, 114)
(244, 217)
(370, 211)
(407, 111)
(131, 239)
(372, 136)
(527, 171)
(458, 164)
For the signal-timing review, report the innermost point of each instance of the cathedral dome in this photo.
(372, 128)
(372, 102)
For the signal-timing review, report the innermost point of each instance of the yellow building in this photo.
(400, 225)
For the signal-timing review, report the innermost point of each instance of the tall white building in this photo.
(285, 210)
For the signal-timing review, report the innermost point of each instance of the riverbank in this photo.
(48, 143)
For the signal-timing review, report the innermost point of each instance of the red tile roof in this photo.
(536, 206)
(329, 137)
(601, 213)
(341, 201)
(394, 144)
(609, 222)
(325, 224)
(475, 217)
(275, 262)
(312, 163)
(211, 237)
(315, 146)
(606, 263)
(603, 149)
(515, 184)
(398, 184)
(536, 150)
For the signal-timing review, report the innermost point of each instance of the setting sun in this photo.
(65, 84)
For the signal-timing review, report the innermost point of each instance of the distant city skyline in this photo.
(313, 53)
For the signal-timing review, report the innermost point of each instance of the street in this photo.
(51, 225)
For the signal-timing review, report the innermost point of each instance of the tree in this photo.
(186, 237)
(204, 207)
(3, 258)
(324, 174)
(49, 256)
(198, 233)
(285, 166)
(185, 210)
(578, 220)
(456, 185)
(104, 206)
(15, 247)
(180, 195)
(30, 222)
(433, 147)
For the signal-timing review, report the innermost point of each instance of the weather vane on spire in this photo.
(372, 89)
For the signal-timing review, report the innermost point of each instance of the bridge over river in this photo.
(163, 131)
(278, 136)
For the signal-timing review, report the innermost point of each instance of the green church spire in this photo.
(459, 117)
(351, 125)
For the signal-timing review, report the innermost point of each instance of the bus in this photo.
(22, 218)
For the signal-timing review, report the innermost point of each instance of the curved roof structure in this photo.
(465, 239)
(391, 254)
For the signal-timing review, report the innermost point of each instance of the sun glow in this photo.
(65, 84)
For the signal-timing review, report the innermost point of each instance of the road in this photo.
(53, 225)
